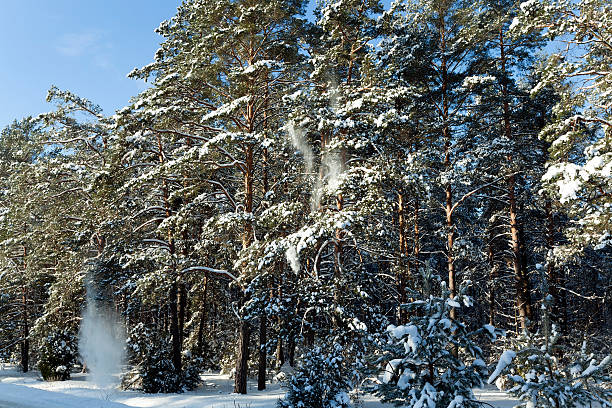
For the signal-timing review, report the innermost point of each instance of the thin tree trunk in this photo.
(492, 283)
(174, 329)
(523, 298)
(25, 343)
(182, 309)
(446, 136)
(242, 369)
(404, 266)
(263, 355)
(200, 338)
(280, 356)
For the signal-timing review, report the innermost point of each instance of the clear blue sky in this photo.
(85, 46)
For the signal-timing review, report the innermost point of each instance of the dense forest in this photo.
(370, 196)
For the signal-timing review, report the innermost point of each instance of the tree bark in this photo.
(174, 329)
(523, 297)
(182, 308)
(200, 338)
(25, 343)
(242, 360)
(263, 355)
(404, 265)
(280, 356)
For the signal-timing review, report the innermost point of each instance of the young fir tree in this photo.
(434, 360)
(540, 374)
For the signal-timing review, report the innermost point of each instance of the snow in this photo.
(29, 391)
(504, 361)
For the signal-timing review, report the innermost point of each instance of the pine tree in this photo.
(434, 359)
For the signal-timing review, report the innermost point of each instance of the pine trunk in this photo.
(200, 336)
(174, 329)
(404, 264)
(25, 343)
(523, 295)
(263, 355)
(182, 308)
(242, 361)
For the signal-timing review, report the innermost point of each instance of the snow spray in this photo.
(101, 340)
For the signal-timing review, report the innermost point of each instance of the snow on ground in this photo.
(18, 390)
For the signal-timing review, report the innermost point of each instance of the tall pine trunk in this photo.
(242, 355)
(404, 264)
(263, 355)
(25, 342)
(242, 359)
(200, 335)
(174, 328)
(523, 295)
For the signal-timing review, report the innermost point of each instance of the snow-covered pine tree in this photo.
(434, 46)
(22, 255)
(320, 380)
(215, 103)
(541, 374)
(434, 360)
(580, 165)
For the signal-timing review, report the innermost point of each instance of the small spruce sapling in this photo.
(539, 378)
(320, 381)
(57, 354)
(433, 361)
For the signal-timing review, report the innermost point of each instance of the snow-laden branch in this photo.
(211, 270)
(156, 241)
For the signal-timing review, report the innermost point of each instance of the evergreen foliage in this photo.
(57, 355)
(272, 198)
(433, 360)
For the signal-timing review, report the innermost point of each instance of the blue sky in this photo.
(85, 46)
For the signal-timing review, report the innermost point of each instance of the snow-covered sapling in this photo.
(538, 377)
(433, 360)
(320, 381)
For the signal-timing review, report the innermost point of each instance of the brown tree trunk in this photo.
(242, 363)
(182, 307)
(174, 329)
(404, 264)
(263, 355)
(25, 343)
(242, 359)
(280, 356)
(200, 338)
(523, 297)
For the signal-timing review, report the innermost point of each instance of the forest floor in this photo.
(18, 390)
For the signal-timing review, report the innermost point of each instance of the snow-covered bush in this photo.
(57, 354)
(151, 353)
(538, 376)
(433, 360)
(320, 380)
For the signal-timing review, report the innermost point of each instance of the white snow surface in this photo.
(19, 390)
